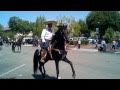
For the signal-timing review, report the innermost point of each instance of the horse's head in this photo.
(37, 52)
(62, 30)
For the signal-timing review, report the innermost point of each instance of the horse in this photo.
(13, 46)
(1, 43)
(18, 44)
(58, 43)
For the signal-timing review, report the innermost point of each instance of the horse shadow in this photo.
(9, 78)
(16, 51)
(38, 76)
(0, 48)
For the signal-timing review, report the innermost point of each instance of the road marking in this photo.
(12, 70)
(20, 75)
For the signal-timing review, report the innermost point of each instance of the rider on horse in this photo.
(1, 41)
(46, 37)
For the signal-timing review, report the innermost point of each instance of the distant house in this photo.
(6, 29)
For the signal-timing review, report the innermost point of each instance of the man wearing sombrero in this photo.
(46, 37)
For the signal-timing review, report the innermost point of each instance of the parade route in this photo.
(87, 64)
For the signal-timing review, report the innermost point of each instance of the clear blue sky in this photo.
(32, 15)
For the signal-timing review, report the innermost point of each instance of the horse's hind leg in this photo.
(57, 68)
(20, 48)
(44, 70)
(68, 61)
(40, 68)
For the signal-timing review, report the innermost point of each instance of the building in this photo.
(6, 29)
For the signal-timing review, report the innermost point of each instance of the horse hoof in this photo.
(74, 76)
(59, 77)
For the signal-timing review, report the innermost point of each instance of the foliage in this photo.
(73, 26)
(103, 20)
(109, 35)
(84, 28)
(39, 25)
(84, 42)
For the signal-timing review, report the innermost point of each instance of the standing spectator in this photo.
(103, 43)
(113, 44)
(79, 43)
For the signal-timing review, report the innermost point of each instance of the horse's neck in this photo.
(58, 40)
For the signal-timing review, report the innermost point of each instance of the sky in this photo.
(32, 15)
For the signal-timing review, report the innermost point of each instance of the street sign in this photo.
(97, 30)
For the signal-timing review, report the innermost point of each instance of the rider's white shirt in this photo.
(46, 35)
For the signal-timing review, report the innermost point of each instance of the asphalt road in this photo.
(87, 64)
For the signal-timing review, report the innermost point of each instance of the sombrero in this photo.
(50, 22)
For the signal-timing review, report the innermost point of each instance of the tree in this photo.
(15, 23)
(39, 25)
(109, 35)
(73, 25)
(18, 25)
(1, 27)
(1, 30)
(75, 28)
(93, 34)
(116, 35)
(103, 20)
(84, 28)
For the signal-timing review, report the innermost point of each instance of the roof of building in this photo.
(6, 28)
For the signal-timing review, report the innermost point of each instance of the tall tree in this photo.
(18, 25)
(109, 35)
(39, 25)
(84, 28)
(1, 30)
(73, 25)
(103, 20)
(14, 23)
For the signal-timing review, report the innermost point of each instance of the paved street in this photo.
(87, 64)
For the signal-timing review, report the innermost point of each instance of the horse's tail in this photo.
(35, 60)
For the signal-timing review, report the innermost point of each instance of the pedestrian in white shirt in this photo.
(113, 44)
(79, 43)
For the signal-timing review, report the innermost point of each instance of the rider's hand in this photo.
(59, 51)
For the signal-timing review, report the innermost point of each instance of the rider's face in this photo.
(49, 25)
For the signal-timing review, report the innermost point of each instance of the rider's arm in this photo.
(43, 35)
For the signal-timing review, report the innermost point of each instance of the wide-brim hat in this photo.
(50, 22)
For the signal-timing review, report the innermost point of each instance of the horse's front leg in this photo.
(68, 61)
(20, 48)
(57, 68)
(44, 70)
(40, 68)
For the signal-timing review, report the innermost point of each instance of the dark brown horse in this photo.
(58, 53)
(18, 44)
(1, 43)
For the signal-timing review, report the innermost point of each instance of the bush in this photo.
(84, 42)
(73, 42)
(109, 35)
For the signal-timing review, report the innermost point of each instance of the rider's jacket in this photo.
(46, 35)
